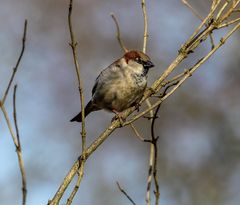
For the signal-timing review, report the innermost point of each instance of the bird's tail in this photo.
(89, 108)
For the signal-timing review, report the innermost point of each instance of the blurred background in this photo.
(199, 145)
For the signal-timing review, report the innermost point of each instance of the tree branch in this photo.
(16, 139)
(145, 33)
(125, 193)
(118, 35)
(19, 150)
(73, 45)
(17, 64)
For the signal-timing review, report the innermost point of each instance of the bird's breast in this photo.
(121, 91)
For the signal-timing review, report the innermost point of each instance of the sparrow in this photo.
(119, 86)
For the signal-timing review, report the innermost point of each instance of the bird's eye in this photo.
(138, 59)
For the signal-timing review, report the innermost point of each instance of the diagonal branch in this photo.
(119, 33)
(125, 193)
(16, 139)
(17, 64)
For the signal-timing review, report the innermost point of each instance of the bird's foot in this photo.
(151, 90)
(137, 106)
(119, 116)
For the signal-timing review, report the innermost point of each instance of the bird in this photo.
(119, 86)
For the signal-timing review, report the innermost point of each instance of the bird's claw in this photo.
(119, 116)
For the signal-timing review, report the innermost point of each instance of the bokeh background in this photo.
(199, 145)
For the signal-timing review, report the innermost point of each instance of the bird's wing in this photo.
(112, 70)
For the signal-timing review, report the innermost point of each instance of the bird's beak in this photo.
(148, 64)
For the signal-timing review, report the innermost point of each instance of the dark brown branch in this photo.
(154, 142)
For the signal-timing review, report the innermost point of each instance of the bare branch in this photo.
(136, 132)
(145, 34)
(151, 155)
(17, 64)
(118, 33)
(73, 45)
(19, 150)
(229, 23)
(151, 161)
(194, 11)
(229, 11)
(114, 125)
(125, 193)
(16, 139)
(80, 176)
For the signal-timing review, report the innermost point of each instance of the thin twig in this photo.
(19, 150)
(79, 179)
(5, 114)
(16, 139)
(118, 34)
(194, 11)
(151, 161)
(73, 45)
(19, 154)
(229, 11)
(222, 9)
(17, 64)
(145, 33)
(195, 34)
(151, 154)
(125, 193)
(154, 142)
(136, 132)
(177, 77)
(229, 23)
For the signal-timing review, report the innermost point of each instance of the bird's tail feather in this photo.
(90, 107)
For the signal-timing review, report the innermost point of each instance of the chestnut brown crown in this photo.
(139, 57)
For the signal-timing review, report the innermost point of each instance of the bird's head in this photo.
(134, 58)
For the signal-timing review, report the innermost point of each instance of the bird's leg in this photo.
(137, 106)
(152, 91)
(119, 115)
